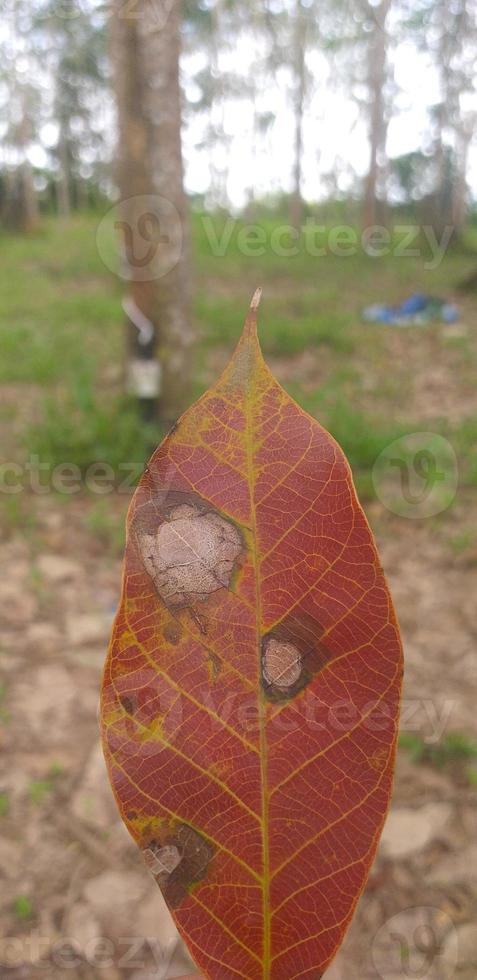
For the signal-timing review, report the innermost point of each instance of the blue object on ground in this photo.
(417, 309)
(414, 304)
(449, 313)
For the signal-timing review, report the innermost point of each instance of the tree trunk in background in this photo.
(20, 209)
(456, 32)
(299, 69)
(31, 213)
(373, 208)
(152, 215)
(25, 213)
(444, 118)
(63, 190)
(460, 189)
(217, 136)
(162, 46)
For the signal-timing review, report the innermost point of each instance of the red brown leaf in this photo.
(251, 693)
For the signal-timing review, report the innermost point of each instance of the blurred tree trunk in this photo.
(447, 46)
(217, 137)
(455, 28)
(24, 212)
(20, 208)
(20, 114)
(152, 210)
(64, 179)
(29, 200)
(299, 94)
(461, 190)
(373, 207)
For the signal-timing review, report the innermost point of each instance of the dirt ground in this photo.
(75, 899)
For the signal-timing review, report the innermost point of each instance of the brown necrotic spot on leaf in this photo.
(128, 703)
(189, 555)
(215, 665)
(292, 654)
(172, 633)
(179, 862)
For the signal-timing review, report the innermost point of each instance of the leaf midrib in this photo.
(249, 443)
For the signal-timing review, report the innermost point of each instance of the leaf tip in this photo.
(250, 328)
(255, 301)
(247, 355)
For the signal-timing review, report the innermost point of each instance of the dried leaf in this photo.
(251, 693)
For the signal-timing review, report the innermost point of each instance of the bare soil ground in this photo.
(63, 847)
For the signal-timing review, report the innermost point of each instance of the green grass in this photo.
(22, 907)
(58, 308)
(18, 515)
(463, 542)
(455, 752)
(81, 426)
(4, 712)
(219, 322)
(106, 526)
(62, 338)
(330, 330)
(4, 804)
(465, 444)
(39, 790)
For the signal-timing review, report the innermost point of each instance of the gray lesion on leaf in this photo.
(281, 663)
(190, 555)
(292, 654)
(179, 862)
(163, 860)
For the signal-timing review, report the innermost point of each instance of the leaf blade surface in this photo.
(251, 692)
